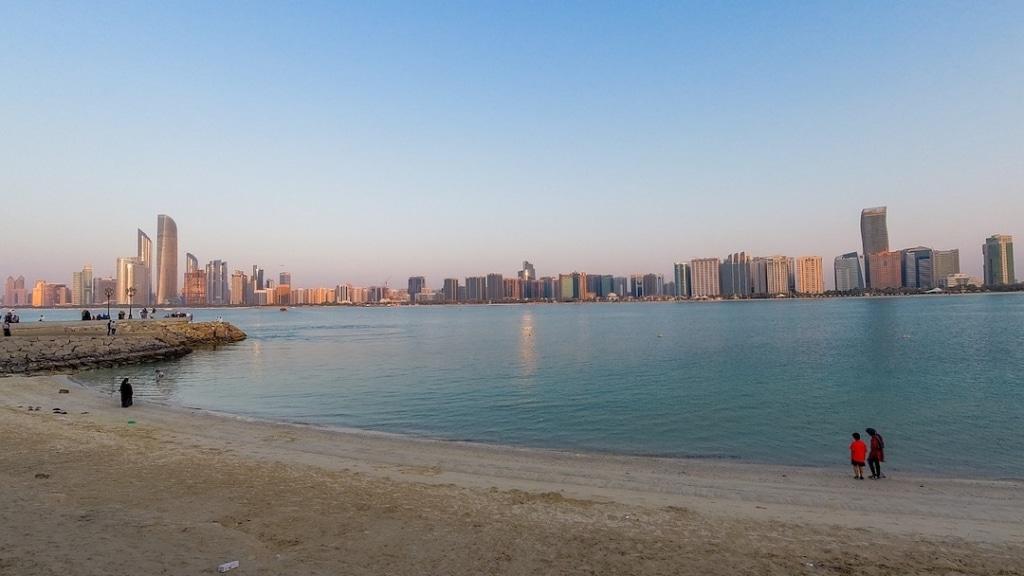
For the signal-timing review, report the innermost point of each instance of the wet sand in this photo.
(180, 491)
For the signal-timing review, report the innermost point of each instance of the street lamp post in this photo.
(130, 292)
(109, 292)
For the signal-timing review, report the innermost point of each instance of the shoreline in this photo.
(525, 448)
(399, 449)
(163, 488)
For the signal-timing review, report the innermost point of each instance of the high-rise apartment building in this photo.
(81, 287)
(759, 276)
(849, 272)
(451, 290)
(998, 260)
(874, 233)
(166, 260)
(945, 263)
(777, 275)
(284, 279)
(810, 278)
(495, 287)
(704, 277)
(885, 270)
(241, 289)
(734, 275)
(416, 285)
(15, 293)
(218, 283)
(476, 289)
(681, 273)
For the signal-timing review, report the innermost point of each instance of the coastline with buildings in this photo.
(876, 270)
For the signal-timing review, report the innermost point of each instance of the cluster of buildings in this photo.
(145, 280)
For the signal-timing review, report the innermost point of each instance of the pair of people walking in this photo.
(859, 453)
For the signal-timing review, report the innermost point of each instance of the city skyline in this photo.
(460, 137)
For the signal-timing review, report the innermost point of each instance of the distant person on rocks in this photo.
(877, 454)
(9, 316)
(126, 393)
(41, 317)
(145, 313)
(858, 453)
(7, 328)
(111, 327)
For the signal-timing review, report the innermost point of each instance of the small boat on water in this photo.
(283, 309)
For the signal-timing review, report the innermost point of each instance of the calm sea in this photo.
(771, 381)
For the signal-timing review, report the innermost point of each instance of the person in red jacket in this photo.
(877, 454)
(858, 452)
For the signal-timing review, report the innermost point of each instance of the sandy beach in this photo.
(170, 490)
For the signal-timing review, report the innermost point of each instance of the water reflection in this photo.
(527, 344)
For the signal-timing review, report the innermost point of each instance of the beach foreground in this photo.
(179, 491)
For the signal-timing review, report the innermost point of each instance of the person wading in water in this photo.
(126, 393)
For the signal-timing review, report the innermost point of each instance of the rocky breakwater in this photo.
(66, 346)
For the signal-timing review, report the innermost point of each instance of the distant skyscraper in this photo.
(15, 293)
(131, 273)
(759, 276)
(681, 272)
(495, 288)
(777, 275)
(144, 253)
(195, 282)
(998, 260)
(704, 278)
(476, 289)
(416, 285)
(654, 285)
(81, 287)
(849, 272)
(451, 290)
(166, 260)
(809, 276)
(284, 279)
(257, 278)
(917, 268)
(218, 283)
(528, 272)
(886, 270)
(945, 263)
(874, 233)
(241, 289)
(100, 287)
(734, 275)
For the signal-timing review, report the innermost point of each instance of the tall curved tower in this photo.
(166, 260)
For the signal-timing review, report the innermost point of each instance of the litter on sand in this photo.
(227, 566)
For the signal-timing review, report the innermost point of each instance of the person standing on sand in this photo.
(877, 454)
(7, 328)
(126, 393)
(858, 451)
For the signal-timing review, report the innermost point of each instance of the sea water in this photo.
(785, 381)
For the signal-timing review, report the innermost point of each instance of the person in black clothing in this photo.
(7, 328)
(877, 454)
(126, 393)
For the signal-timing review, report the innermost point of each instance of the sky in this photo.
(365, 143)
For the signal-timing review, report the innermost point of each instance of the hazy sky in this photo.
(361, 143)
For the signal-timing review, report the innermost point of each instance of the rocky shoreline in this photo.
(66, 346)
